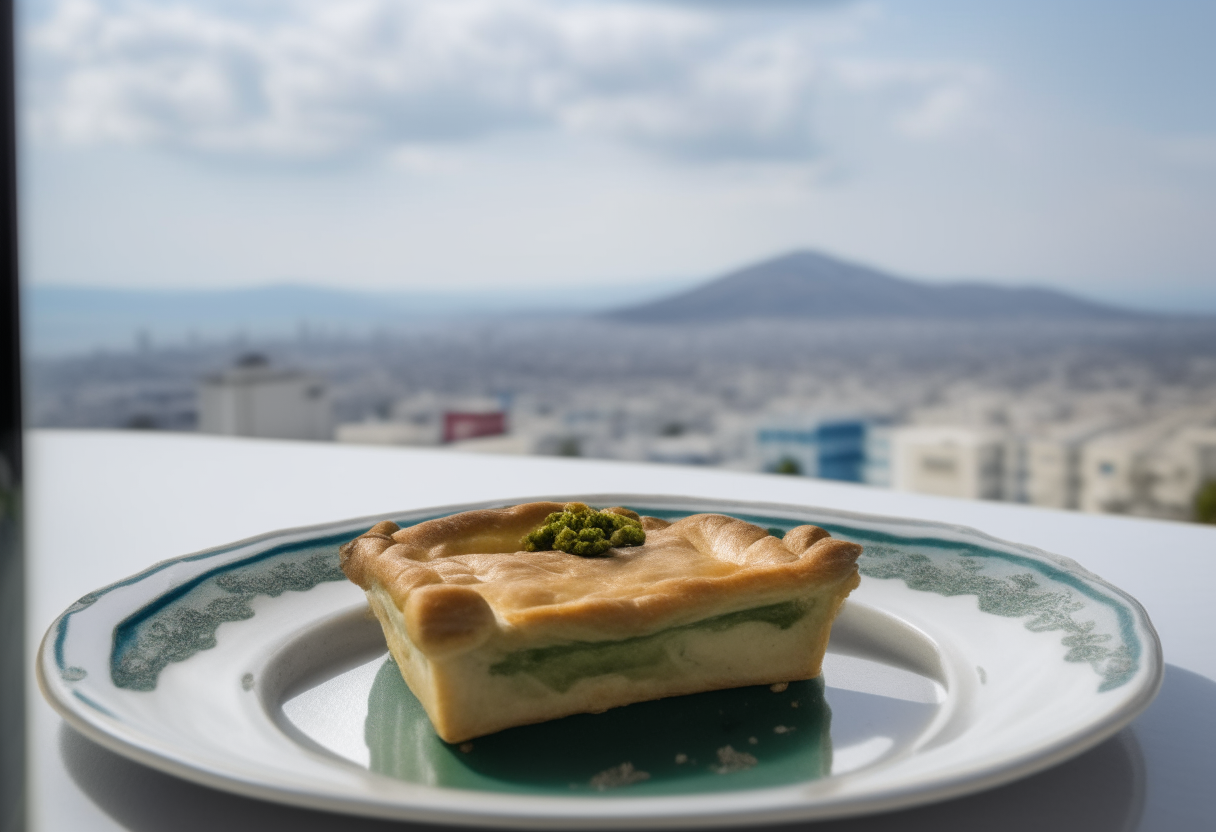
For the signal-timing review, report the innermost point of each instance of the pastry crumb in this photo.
(681, 759)
(730, 761)
(466, 747)
(779, 687)
(247, 682)
(617, 776)
(794, 704)
(753, 740)
(783, 729)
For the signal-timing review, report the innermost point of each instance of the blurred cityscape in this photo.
(1102, 414)
(489, 227)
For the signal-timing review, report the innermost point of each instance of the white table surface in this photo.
(103, 505)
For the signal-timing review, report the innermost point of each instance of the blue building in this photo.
(852, 449)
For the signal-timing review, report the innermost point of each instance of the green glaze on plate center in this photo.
(746, 738)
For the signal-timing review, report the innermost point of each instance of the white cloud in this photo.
(322, 79)
(930, 100)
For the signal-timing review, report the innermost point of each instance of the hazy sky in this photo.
(463, 143)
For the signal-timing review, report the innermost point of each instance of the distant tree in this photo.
(1205, 503)
(787, 465)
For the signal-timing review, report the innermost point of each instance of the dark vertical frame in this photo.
(12, 569)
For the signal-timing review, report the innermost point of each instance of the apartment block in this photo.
(256, 399)
(949, 461)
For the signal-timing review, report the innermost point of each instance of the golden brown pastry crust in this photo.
(455, 595)
(706, 561)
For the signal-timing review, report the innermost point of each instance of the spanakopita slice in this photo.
(489, 635)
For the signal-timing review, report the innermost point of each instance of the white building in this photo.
(1154, 469)
(1111, 472)
(255, 399)
(1048, 467)
(1186, 463)
(949, 461)
(1050, 471)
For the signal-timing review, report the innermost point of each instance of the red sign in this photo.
(457, 426)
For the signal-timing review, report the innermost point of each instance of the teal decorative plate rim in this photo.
(1075, 637)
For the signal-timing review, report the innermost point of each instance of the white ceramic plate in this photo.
(961, 662)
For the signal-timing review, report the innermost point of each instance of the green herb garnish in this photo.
(583, 531)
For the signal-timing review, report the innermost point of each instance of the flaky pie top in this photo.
(469, 565)
(694, 567)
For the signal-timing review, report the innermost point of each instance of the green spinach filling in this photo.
(560, 666)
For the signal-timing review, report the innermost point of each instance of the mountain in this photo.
(809, 285)
(58, 320)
